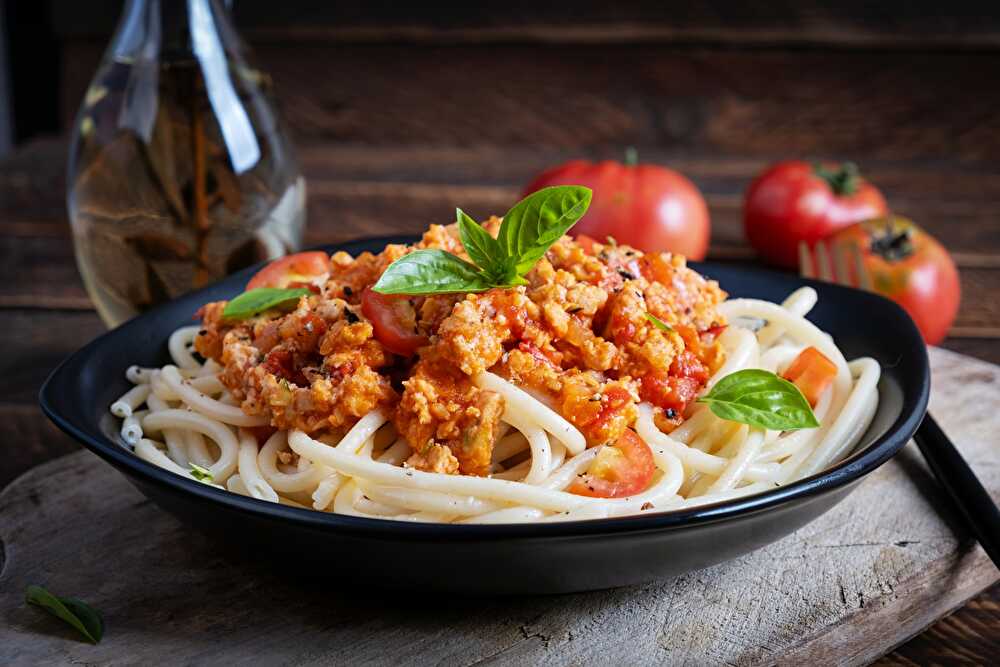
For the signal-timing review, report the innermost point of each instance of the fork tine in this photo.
(823, 263)
(840, 264)
(806, 267)
(864, 278)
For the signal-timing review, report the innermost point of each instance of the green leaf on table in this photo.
(81, 616)
(760, 398)
(256, 301)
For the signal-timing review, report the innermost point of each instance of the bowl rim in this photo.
(849, 470)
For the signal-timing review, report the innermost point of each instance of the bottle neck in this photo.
(162, 29)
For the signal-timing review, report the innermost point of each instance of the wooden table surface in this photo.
(356, 190)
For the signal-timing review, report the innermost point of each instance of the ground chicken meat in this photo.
(578, 335)
(300, 369)
(440, 405)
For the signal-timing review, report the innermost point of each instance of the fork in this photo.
(845, 266)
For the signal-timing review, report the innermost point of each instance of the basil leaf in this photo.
(201, 474)
(430, 272)
(760, 398)
(527, 231)
(658, 323)
(538, 221)
(85, 619)
(258, 300)
(483, 249)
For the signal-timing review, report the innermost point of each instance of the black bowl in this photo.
(515, 558)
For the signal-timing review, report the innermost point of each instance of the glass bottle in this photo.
(180, 170)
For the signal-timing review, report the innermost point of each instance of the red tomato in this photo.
(646, 206)
(674, 390)
(794, 201)
(619, 471)
(394, 322)
(910, 267)
(586, 242)
(299, 267)
(812, 372)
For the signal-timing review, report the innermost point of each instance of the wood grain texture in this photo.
(738, 103)
(36, 341)
(356, 191)
(871, 572)
(844, 25)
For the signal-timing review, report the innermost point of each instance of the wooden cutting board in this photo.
(873, 571)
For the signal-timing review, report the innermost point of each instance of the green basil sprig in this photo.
(84, 618)
(256, 301)
(760, 398)
(658, 323)
(527, 231)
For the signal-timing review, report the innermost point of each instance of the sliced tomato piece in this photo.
(300, 267)
(670, 392)
(618, 471)
(812, 372)
(674, 390)
(709, 335)
(615, 400)
(280, 362)
(656, 269)
(585, 242)
(394, 322)
(309, 286)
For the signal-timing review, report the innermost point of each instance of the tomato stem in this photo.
(631, 156)
(891, 241)
(844, 179)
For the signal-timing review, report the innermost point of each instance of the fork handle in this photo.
(958, 479)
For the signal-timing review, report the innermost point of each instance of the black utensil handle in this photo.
(962, 485)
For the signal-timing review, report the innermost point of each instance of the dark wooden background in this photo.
(402, 113)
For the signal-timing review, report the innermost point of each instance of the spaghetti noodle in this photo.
(223, 415)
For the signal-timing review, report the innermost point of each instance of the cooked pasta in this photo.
(494, 423)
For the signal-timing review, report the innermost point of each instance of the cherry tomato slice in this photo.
(812, 372)
(394, 322)
(619, 471)
(300, 267)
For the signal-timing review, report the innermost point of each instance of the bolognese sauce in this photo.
(577, 336)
